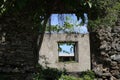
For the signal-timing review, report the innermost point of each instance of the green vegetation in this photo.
(55, 74)
(67, 27)
(84, 77)
(65, 77)
(100, 12)
(47, 73)
(104, 12)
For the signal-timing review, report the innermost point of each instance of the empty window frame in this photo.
(67, 51)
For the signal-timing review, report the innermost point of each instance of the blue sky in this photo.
(73, 20)
(67, 48)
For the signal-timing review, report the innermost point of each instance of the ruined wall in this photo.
(48, 55)
(106, 52)
(16, 49)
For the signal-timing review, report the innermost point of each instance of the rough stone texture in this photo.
(16, 48)
(48, 54)
(106, 51)
(17, 58)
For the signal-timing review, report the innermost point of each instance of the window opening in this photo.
(67, 51)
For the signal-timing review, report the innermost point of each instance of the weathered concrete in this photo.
(48, 55)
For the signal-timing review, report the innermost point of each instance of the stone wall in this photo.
(16, 48)
(106, 52)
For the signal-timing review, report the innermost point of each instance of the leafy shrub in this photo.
(87, 75)
(65, 77)
(47, 74)
(55, 74)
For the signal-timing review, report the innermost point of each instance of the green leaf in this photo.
(90, 4)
